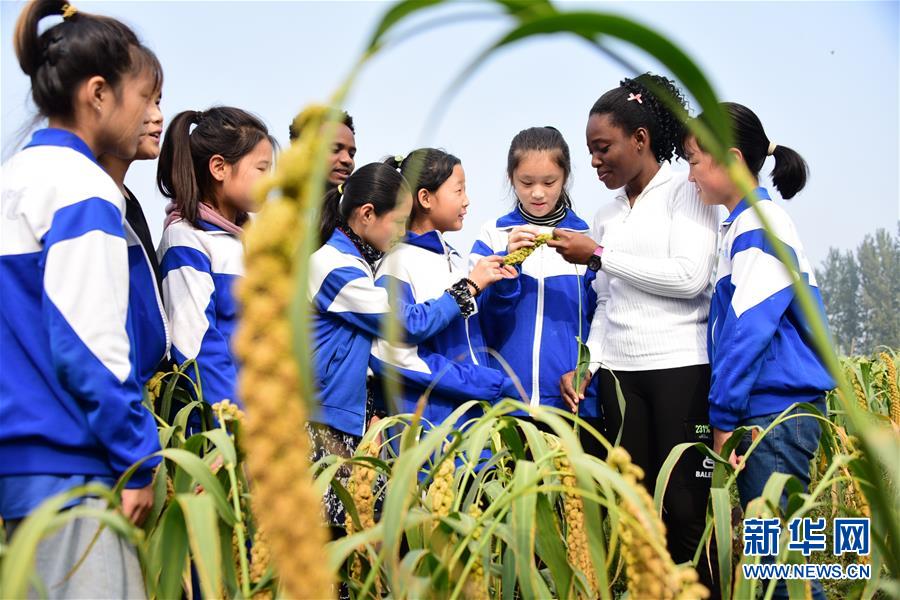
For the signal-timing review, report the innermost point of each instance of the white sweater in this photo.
(654, 287)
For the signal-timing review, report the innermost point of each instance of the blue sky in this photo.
(823, 78)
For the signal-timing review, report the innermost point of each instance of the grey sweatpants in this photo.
(110, 570)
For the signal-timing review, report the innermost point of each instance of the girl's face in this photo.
(382, 231)
(148, 146)
(446, 207)
(123, 113)
(614, 153)
(538, 182)
(239, 178)
(711, 179)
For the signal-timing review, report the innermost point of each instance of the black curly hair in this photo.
(665, 127)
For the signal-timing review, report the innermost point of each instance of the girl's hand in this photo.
(568, 391)
(576, 248)
(521, 237)
(137, 503)
(490, 269)
(372, 422)
(719, 439)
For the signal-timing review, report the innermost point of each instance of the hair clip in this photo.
(68, 11)
(341, 189)
(635, 97)
(399, 158)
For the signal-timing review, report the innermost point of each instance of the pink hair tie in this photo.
(635, 97)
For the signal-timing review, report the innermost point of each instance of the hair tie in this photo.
(68, 11)
(771, 151)
(399, 158)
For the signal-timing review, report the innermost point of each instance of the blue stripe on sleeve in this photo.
(184, 256)
(75, 220)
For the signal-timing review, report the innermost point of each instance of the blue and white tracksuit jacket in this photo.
(199, 267)
(544, 310)
(760, 344)
(349, 312)
(422, 268)
(81, 321)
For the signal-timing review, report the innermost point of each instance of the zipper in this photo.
(159, 302)
(465, 321)
(538, 333)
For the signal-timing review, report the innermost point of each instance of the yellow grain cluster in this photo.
(577, 549)
(892, 389)
(521, 254)
(285, 501)
(852, 496)
(476, 587)
(360, 486)
(226, 411)
(441, 491)
(858, 390)
(260, 556)
(651, 572)
(154, 386)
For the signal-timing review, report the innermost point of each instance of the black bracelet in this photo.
(474, 286)
(463, 296)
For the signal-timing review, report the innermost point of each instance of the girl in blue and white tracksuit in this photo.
(452, 363)
(349, 310)
(535, 320)
(81, 323)
(209, 174)
(760, 342)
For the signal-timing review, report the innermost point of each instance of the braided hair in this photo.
(632, 105)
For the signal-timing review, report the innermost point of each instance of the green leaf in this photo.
(721, 507)
(168, 553)
(193, 466)
(398, 12)
(550, 546)
(203, 536)
(523, 517)
(224, 443)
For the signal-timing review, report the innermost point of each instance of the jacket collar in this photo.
(761, 193)
(52, 136)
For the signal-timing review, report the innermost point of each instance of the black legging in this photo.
(663, 408)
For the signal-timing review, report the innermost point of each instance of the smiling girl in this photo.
(551, 303)
(422, 268)
(760, 341)
(209, 173)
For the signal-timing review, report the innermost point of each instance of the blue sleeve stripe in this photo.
(481, 249)
(75, 220)
(401, 288)
(185, 256)
(757, 238)
(333, 284)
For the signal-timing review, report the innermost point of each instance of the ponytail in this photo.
(378, 184)
(330, 216)
(183, 172)
(175, 175)
(81, 46)
(790, 172)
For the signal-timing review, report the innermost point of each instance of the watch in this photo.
(594, 262)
